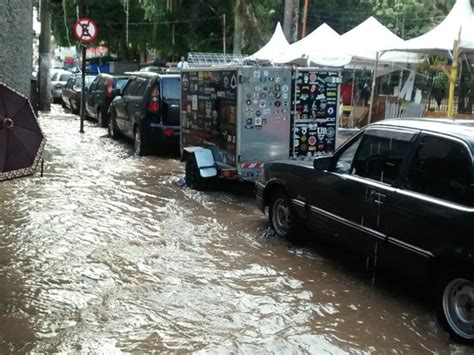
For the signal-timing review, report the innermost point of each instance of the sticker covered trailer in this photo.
(233, 120)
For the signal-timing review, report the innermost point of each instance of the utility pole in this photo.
(291, 22)
(224, 45)
(305, 19)
(45, 57)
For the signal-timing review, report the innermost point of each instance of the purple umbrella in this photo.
(21, 138)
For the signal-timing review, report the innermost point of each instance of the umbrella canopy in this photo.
(21, 138)
(274, 48)
(441, 38)
(321, 47)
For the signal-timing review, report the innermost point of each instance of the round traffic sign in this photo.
(85, 30)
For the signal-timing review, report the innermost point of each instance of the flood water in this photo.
(110, 253)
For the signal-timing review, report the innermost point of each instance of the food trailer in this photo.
(235, 119)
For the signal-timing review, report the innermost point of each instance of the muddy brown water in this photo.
(108, 253)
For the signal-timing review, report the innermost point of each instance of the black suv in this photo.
(147, 111)
(99, 96)
(400, 194)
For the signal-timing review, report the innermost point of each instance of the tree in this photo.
(16, 42)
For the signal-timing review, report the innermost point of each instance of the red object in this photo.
(108, 92)
(85, 30)
(228, 174)
(154, 106)
(346, 93)
(168, 132)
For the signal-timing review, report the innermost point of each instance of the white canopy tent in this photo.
(277, 45)
(322, 47)
(441, 38)
(364, 41)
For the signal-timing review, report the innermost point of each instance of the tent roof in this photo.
(274, 48)
(368, 38)
(321, 47)
(442, 37)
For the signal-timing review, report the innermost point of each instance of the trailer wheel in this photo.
(193, 177)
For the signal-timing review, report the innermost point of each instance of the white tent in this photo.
(442, 37)
(274, 48)
(321, 47)
(364, 41)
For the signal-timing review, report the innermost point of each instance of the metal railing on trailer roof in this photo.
(210, 59)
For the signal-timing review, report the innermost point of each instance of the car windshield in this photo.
(171, 89)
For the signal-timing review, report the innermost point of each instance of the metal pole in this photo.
(305, 18)
(374, 80)
(83, 94)
(351, 119)
(45, 57)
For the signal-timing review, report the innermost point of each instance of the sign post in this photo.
(85, 31)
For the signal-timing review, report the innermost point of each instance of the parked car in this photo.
(58, 81)
(71, 94)
(399, 193)
(147, 111)
(99, 96)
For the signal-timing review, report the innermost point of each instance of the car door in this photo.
(121, 105)
(351, 196)
(67, 92)
(430, 211)
(90, 96)
(134, 105)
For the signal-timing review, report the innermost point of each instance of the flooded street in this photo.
(109, 253)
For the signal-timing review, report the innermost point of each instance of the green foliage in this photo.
(176, 27)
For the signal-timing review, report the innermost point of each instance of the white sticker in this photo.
(284, 88)
(256, 74)
(195, 103)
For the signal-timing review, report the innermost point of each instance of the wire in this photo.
(152, 23)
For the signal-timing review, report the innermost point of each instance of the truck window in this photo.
(441, 168)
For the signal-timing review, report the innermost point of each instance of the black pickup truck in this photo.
(400, 194)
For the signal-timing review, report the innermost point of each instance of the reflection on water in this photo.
(107, 253)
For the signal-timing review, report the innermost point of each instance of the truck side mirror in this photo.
(322, 163)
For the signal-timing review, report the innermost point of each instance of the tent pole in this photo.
(453, 77)
(372, 94)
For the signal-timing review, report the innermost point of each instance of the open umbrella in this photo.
(21, 138)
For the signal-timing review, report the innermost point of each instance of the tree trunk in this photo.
(238, 27)
(291, 19)
(16, 43)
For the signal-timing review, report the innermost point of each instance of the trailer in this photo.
(233, 120)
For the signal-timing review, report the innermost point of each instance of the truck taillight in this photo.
(168, 132)
(108, 92)
(154, 105)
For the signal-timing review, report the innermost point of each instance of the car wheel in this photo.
(140, 142)
(193, 177)
(456, 307)
(112, 129)
(101, 118)
(282, 216)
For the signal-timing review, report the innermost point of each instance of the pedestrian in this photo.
(183, 64)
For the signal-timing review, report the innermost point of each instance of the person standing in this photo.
(183, 64)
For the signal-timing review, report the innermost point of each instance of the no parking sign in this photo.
(85, 30)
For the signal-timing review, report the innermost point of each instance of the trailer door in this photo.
(264, 118)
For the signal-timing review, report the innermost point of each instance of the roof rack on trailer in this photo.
(201, 59)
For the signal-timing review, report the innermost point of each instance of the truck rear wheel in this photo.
(193, 177)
